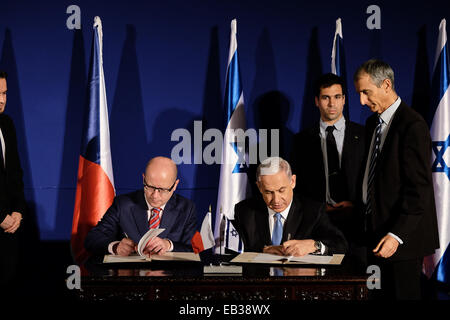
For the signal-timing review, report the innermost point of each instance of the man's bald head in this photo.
(161, 174)
(162, 167)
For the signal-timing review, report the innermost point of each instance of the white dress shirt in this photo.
(339, 134)
(2, 141)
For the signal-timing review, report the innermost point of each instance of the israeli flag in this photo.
(233, 183)
(338, 61)
(439, 263)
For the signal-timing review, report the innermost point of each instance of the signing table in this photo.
(187, 281)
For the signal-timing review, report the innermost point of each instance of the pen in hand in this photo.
(126, 236)
(289, 257)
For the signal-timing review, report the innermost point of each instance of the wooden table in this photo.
(175, 281)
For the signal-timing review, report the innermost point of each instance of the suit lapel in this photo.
(351, 140)
(169, 214)
(391, 133)
(262, 223)
(293, 220)
(317, 145)
(140, 216)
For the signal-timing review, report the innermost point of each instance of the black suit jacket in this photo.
(403, 193)
(307, 161)
(128, 214)
(306, 220)
(307, 164)
(11, 184)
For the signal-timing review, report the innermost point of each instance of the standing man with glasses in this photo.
(156, 206)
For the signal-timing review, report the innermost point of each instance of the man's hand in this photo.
(12, 222)
(386, 247)
(343, 205)
(274, 250)
(157, 246)
(298, 248)
(126, 247)
(7, 222)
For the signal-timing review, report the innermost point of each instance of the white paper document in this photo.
(168, 256)
(309, 258)
(256, 257)
(146, 238)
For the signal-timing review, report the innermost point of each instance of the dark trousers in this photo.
(400, 280)
(9, 258)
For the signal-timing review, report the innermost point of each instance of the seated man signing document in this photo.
(156, 206)
(281, 223)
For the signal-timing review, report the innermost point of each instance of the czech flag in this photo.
(204, 239)
(95, 183)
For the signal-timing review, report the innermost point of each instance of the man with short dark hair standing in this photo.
(327, 159)
(12, 199)
(400, 213)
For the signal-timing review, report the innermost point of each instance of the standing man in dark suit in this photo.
(282, 223)
(12, 199)
(397, 188)
(156, 206)
(327, 158)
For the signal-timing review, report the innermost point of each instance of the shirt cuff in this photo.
(395, 237)
(110, 247)
(171, 245)
(322, 248)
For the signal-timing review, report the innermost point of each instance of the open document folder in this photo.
(168, 256)
(256, 257)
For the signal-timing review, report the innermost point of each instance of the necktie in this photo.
(277, 230)
(153, 222)
(372, 166)
(335, 185)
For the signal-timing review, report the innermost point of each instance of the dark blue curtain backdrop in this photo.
(164, 64)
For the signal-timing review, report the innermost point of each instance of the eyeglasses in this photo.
(162, 191)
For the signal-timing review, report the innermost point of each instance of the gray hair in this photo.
(272, 166)
(377, 70)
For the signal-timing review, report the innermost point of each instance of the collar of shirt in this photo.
(149, 211)
(284, 215)
(339, 125)
(387, 114)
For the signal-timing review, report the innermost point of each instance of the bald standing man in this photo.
(155, 206)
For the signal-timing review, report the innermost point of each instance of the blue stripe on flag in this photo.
(233, 86)
(440, 81)
(443, 268)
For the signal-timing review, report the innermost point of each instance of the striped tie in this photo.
(372, 166)
(153, 222)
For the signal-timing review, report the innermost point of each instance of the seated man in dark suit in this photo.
(282, 223)
(157, 206)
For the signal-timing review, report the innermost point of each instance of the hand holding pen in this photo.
(125, 247)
